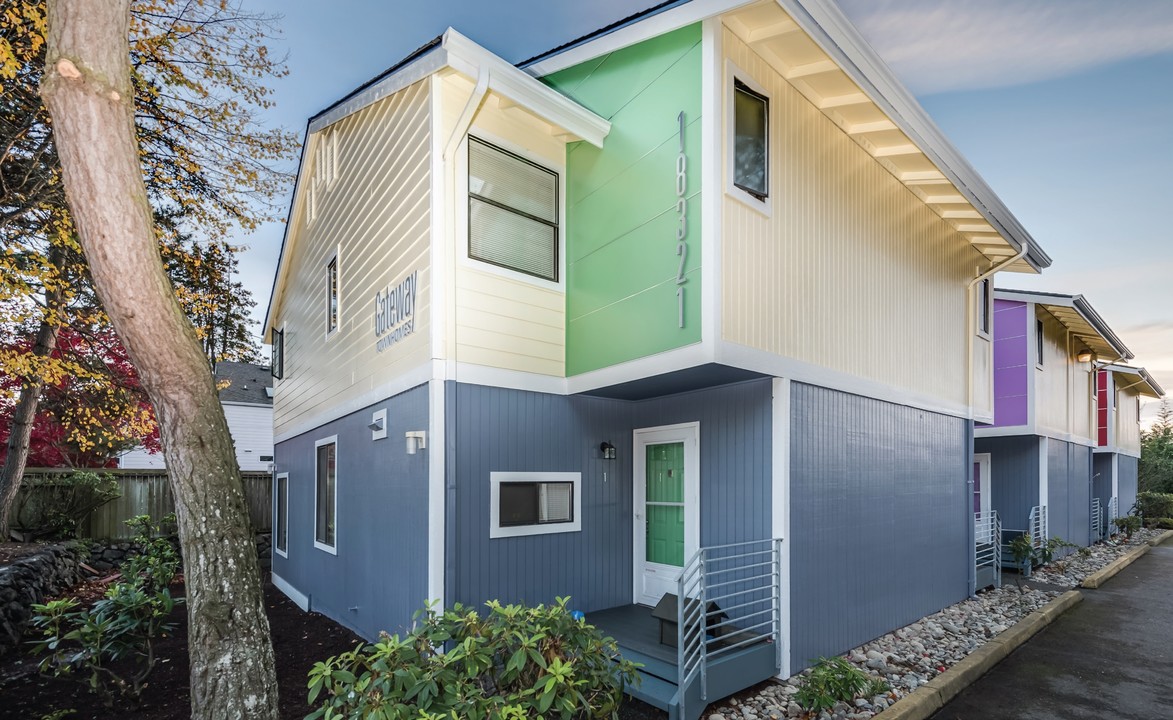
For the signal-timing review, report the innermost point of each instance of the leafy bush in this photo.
(1047, 552)
(1127, 525)
(124, 624)
(1161, 523)
(54, 506)
(1023, 551)
(835, 680)
(1154, 505)
(515, 663)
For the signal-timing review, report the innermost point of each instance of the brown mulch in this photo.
(299, 640)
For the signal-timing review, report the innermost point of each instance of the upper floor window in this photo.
(751, 114)
(985, 307)
(277, 356)
(512, 211)
(1039, 354)
(332, 295)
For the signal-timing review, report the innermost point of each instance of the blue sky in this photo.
(1065, 107)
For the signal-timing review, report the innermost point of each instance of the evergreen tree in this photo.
(1156, 453)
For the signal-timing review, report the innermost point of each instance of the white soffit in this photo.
(786, 45)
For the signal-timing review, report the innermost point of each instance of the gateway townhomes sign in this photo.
(395, 312)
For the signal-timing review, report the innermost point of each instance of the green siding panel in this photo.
(621, 215)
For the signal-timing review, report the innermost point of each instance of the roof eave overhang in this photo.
(1089, 321)
(1147, 384)
(826, 24)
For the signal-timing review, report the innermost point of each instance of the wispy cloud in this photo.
(942, 45)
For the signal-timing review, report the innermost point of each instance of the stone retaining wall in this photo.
(107, 555)
(30, 580)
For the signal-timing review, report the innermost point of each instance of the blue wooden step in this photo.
(651, 666)
(655, 691)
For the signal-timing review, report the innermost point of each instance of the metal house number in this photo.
(682, 227)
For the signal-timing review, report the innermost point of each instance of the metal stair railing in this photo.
(1038, 526)
(1113, 512)
(987, 549)
(1097, 520)
(743, 581)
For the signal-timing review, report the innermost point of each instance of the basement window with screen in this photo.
(512, 211)
(534, 504)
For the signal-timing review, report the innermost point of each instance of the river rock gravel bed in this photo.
(913, 655)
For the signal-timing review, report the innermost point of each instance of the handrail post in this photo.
(704, 619)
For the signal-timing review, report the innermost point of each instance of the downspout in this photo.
(970, 320)
(470, 111)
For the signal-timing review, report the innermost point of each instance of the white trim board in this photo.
(780, 505)
(331, 549)
(299, 598)
(1024, 430)
(437, 507)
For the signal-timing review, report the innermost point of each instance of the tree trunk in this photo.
(23, 416)
(87, 90)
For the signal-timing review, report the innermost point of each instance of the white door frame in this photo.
(690, 435)
(982, 460)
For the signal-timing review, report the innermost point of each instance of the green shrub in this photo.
(835, 680)
(1127, 525)
(1154, 505)
(124, 624)
(515, 663)
(1047, 552)
(1161, 523)
(1023, 551)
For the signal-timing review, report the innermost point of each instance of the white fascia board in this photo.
(466, 57)
(826, 24)
(1138, 372)
(282, 270)
(640, 30)
(406, 76)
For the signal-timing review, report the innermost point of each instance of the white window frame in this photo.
(460, 168)
(495, 480)
(336, 295)
(277, 370)
(1040, 343)
(734, 73)
(332, 549)
(984, 290)
(279, 511)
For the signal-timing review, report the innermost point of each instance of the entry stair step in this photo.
(657, 680)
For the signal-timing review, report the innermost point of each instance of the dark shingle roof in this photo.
(246, 383)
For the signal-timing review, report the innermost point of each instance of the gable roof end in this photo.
(1078, 316)
(1138, 377)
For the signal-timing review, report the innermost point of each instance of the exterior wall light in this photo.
(378, 424)
(1085, 355)
(608, 450)
(416, 441)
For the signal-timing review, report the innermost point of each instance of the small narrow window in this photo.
(1039, 354)
(512, 211)
(277, 354)
(326, 494)
(281, 514)
(332, 295)
(534, 503)
(984, 307)
(751, 114)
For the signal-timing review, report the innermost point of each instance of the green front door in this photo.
(664, 505)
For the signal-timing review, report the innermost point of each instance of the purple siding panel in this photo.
(1010, 363)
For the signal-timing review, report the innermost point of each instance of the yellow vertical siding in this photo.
(1063, 386)
(500, 319)
(983, 377)
(852, 271)
(377, 216)
(1127, 422)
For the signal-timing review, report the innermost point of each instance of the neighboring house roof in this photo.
(1077, 314)
(878, 111)
(247, 383)
(1140, 379)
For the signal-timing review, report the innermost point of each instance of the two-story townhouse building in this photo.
(707, 284)
(1116, 456)
(1033, 465)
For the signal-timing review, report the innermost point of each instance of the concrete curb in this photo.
(1101, 576)
(1161, 538)
(932, 696)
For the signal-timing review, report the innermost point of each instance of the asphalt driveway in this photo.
(1110, 656)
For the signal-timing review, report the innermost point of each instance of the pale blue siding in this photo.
(379, 576)
(496, 429)
(1102, 480)
(1069, 469)
(1014, 477)
(881, 518)
(1126, 483)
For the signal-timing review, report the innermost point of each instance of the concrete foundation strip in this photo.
(1098, 578)
(932, 696)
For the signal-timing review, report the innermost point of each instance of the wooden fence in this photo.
(148, 492)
